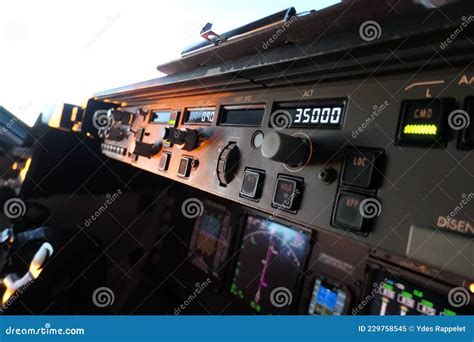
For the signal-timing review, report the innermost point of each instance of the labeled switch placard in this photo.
(347, 213)
(424, 121)
(361, 167)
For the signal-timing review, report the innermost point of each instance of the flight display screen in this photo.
(327, 299)
(199, 116)
(160, 116)
(396, 296)
(269, 265)
(309, 115)
(210, 238)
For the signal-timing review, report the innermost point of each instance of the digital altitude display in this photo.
(309, 115)
(396, 296)
(211, 238)
(270, 262)
(199, 116)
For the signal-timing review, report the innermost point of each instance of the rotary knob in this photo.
(288, 149)
(228, 163)
(190, 139)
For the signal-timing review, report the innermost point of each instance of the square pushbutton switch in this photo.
(353, 210)
(252, 184)
(424, 121)
(361, 167)
(164, 162)
(466, 122)
(184, 168)
(287, 194)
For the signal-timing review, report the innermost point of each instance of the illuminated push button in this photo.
(347, 213)
(184, 168)
(424, 121)
(287, 193)
(467, 134)
(164, 162)
(252, 184)
(257, 139)
(360, 167)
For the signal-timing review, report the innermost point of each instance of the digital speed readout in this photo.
(327, 115)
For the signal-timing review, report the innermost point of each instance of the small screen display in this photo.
(199, 116)
(309, 115)
(242, 116)
(327, 299)
(160, 116)
(397, 296)
(269, 265)
(211, 238)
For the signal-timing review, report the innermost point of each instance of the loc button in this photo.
(361, 167)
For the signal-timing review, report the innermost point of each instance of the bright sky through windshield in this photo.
(64, 51)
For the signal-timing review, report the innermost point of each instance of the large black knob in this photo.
(177, 136)
(284, 148)
(228, 163)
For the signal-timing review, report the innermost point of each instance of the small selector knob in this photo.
(165, 133)
(189, 138)
(228, 163)
(288, 149)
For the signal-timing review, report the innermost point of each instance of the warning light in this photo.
(420, 129)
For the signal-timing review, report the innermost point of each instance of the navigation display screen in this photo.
(269, 266)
